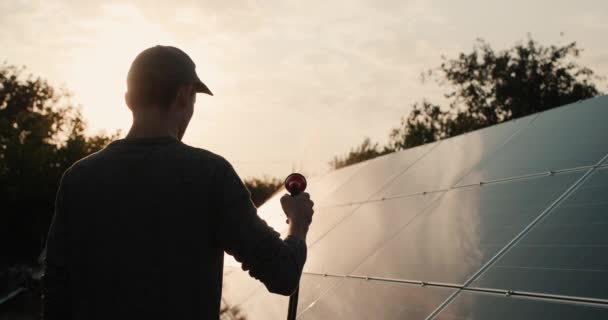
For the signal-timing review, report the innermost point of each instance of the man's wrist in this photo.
(298, 230)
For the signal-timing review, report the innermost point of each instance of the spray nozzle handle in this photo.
(295, 184)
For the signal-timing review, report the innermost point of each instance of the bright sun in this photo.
(98, 69)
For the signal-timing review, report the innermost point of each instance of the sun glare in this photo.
(97, 72)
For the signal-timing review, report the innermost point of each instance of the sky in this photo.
(295, 83)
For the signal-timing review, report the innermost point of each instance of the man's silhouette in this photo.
(141, 226)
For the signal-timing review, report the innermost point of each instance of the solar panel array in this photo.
(507, 222)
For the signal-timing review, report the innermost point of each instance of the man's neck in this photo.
(152, 126)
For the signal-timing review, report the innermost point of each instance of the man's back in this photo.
(141, 227)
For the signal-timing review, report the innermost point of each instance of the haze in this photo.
(295, 82)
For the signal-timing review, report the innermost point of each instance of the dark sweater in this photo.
(140, 229)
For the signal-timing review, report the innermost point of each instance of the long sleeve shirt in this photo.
(140, 229)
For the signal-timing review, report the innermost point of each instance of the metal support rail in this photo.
(504, 292)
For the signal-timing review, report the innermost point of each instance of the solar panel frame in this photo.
(479, 305)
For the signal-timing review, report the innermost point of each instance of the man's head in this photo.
(163, 79)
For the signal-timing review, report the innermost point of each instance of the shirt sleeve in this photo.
(55, 280)
(243, 234)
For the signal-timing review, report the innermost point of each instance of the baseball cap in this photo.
(165, 64)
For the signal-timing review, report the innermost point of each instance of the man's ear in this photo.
(184, 95)
(128, 100)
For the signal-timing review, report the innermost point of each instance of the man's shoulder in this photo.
(205, 155)
(193, 155)
(219, 165)
(190, 156)
(84, 164)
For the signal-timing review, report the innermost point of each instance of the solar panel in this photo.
(463, 229)
(325, 219)
(566, 253)
(482, 306)
(451, 159)
(572, 136)
(362, 233)
(259, 304)
(371, 299)
(508, 222)
(320, 187)
(238, 285)
(375, 175)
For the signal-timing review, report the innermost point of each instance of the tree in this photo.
(262, 188)
(489, 87)
(485, 88)
(423, 125)
(41, 135)
(365, 151)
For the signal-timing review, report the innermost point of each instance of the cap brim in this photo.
(201, 87)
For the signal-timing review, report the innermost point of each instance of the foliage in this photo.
(365, 151)
(486, 87)
(41, 135)
(231, 313)
(262, 188)
(423, 125)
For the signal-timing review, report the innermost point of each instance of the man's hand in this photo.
(298, 210)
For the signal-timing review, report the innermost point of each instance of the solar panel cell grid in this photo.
(566, 253)
(346, 246)
(263, 305)
(325, 219)
(324, 185)
(363, 299)
(410, 223)
(318, 187)
(451, 159)
(238, 286)
(482, 306)
(567, 137)
(464, 229)
(370, 179)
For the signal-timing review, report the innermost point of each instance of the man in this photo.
(141, 226)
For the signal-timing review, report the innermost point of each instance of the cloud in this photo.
(348, 63)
